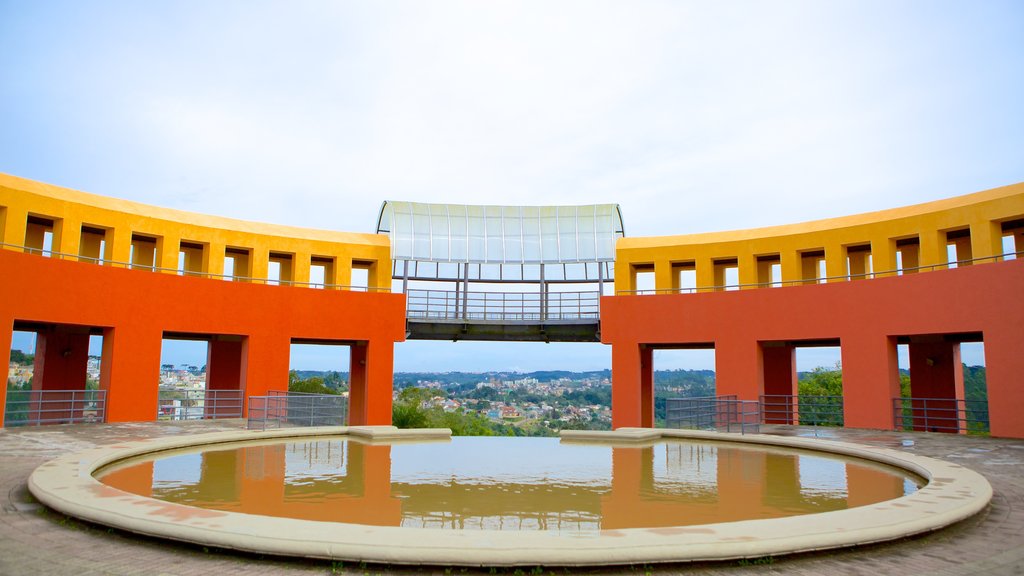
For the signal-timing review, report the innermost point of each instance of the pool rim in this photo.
(952, 493)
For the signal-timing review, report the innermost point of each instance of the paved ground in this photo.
(34, 540)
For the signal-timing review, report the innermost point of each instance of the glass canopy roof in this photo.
(455, 233)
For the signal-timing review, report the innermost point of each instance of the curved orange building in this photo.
(76, 264)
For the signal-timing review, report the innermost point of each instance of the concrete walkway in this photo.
(34, 540)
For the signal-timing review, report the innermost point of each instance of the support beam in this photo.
(627, 383)
(779, 370)
(870, 381)
(129, 372)
(933, 375)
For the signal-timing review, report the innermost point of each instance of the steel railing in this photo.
(509, 307)
(36, 407)
(803, 409)
(177, 404)
(281, 409)
(824, 279)
(940, 415)
(722, 413)
(180, 272)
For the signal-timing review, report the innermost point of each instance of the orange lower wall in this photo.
(866, 316)
(134, 308)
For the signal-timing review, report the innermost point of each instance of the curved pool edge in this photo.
(953, 493)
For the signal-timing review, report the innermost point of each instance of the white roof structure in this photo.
(456, 233)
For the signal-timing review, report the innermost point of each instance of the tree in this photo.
(22, 359)
(314, 385)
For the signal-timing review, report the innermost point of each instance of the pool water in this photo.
(487, 483)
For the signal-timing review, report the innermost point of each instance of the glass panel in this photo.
(549, 234)
(477, 245)
(587, 233)
(401, 230)
(567, 233)
(531, 234)
(495, 243)
(439, 231)
(460, 233)
(513, 235)
(420, 231)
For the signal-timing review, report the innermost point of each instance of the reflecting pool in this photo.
(487, 483)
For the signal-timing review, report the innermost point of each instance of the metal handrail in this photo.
(36, 407)
(940, 415)
(179, 272)
(278, 409)
(178, 404)
(721, 413)
(802, 409)
(823, 279)
(502, 306)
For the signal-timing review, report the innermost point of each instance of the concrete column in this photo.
(68, 238)
(357, 385)
(259, 264)
(663, 276)
(301, 264)
(835, 263)
(223, 372)
(933, 248)
(883, 256)
(738, 368)
(130, 372)
(870, 380)
(119, 244)
(986, 239)
(646, 387)
(933, 375)
(626, 385)
(779, 369)
(748, 272)
(168, 248)
(213, 259)
(62, 358)
(15, 222)
(791, 267)
(371, 373)
(6, 335)
(1004, 365)
(264, 360)
(705, 273)
(342, 271)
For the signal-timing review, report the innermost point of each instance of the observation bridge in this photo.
(502, 273)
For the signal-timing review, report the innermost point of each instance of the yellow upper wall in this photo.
(28, 207)
(974, 223)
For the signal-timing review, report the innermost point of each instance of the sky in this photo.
(694, 116)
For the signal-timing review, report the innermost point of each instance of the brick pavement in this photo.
(34, 540)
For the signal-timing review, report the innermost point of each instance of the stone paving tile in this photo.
(38, 541)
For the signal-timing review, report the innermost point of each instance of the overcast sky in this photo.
(693, 116)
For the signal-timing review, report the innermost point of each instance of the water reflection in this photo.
(517, 484)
